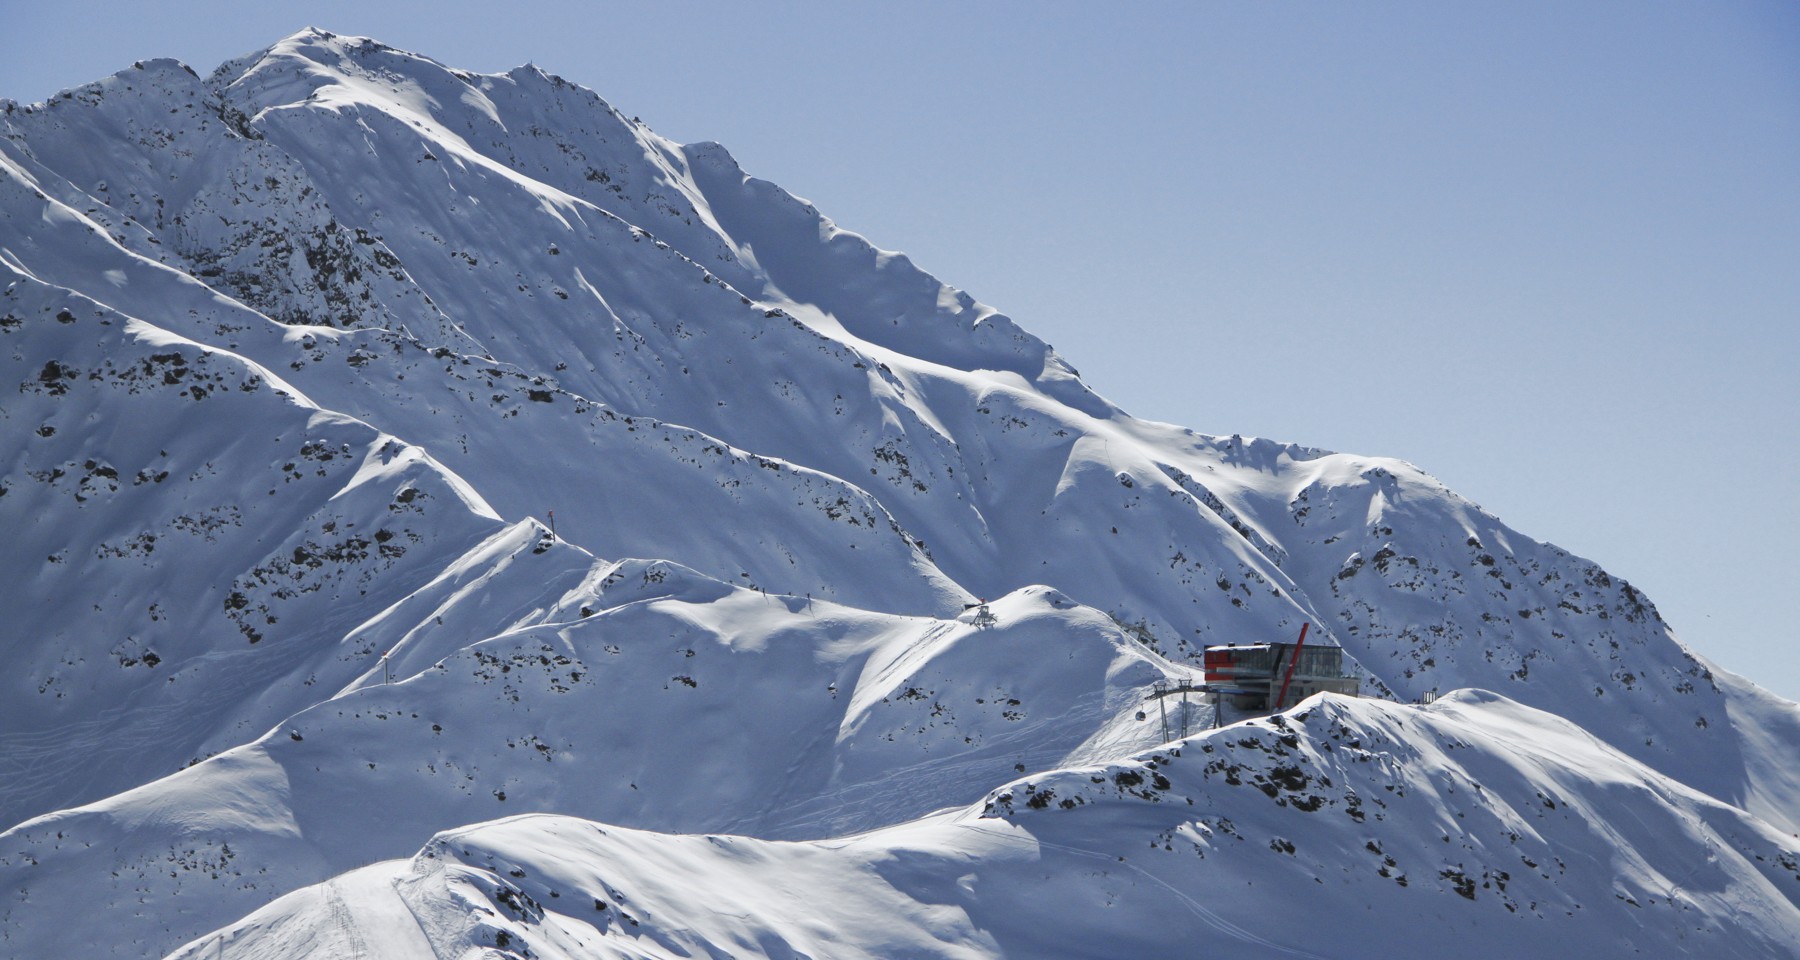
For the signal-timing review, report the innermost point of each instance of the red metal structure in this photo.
(1281, 698)
(1263, 676)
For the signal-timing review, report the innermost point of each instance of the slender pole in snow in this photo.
(1184, 708)
(1281, 698)
(553, 524)
(1159, 688)
(386, 677)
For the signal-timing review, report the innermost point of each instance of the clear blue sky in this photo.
(1550, 252)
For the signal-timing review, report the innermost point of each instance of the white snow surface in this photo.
(304, 354)
(1390, 827)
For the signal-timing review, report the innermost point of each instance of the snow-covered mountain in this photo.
(310, 354)
(1391, 828)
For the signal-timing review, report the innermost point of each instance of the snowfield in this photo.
(446, 519)
(1396, 826)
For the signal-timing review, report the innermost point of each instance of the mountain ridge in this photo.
(356, 288)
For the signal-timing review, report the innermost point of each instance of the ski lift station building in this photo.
(1250, 675)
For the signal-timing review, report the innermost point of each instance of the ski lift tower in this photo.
(1161, 690)
(983, 617)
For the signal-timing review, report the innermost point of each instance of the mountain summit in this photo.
(445, 516)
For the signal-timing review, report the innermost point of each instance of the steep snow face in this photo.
(616, 477)
(195, 552)
(1391, 827)
(335, 291)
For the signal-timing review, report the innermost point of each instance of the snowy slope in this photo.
(197, 551)
(1510, 845)
(484, 416)
(635, 714)
(607, 270)
(335, 291)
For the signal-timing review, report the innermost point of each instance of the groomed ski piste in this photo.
(446, 519)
